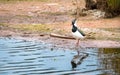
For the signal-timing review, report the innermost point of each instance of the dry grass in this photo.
(91, 33)
(34, 28)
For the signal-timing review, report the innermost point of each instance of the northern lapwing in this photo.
(77, 33)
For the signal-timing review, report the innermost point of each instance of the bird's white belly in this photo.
(77, 35)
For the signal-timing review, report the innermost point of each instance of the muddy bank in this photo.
(61, 42)
(68, 43)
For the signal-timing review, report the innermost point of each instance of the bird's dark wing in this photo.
(81, 32)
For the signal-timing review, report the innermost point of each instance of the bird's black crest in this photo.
(74, 28)
(73, 21)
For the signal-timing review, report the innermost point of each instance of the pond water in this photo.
(21, 57)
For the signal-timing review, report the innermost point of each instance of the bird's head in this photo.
(74, 65)
(74, 22)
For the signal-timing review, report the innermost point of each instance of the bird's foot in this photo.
(77, 44)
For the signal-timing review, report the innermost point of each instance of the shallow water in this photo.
(21, 57)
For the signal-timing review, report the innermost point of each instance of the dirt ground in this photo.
(56, 15)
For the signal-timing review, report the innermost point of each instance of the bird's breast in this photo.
(77, 35)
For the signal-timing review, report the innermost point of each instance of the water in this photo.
(21, 57)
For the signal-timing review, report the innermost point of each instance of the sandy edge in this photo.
(60, 42)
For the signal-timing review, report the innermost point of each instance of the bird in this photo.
(77, 33)
(78, 59)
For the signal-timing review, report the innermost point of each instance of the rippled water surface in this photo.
(20, 57)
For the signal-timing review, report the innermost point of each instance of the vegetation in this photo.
(29, 27)
(33, 28)
(110, 50)
(111, 7)
(114, 4)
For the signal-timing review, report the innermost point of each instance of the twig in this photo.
(60, 36)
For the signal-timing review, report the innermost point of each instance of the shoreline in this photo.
(61, 42)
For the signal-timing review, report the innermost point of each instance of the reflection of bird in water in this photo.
(77, 33)
(77, 59)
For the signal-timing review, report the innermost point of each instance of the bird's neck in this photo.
(74, 25)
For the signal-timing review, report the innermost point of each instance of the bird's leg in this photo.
(78, 52)
(77, 44)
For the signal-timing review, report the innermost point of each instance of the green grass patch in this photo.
(54, 13)
(3, 25)
(34, 28)
(104, 34)
(24, 16)
(111, 29)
